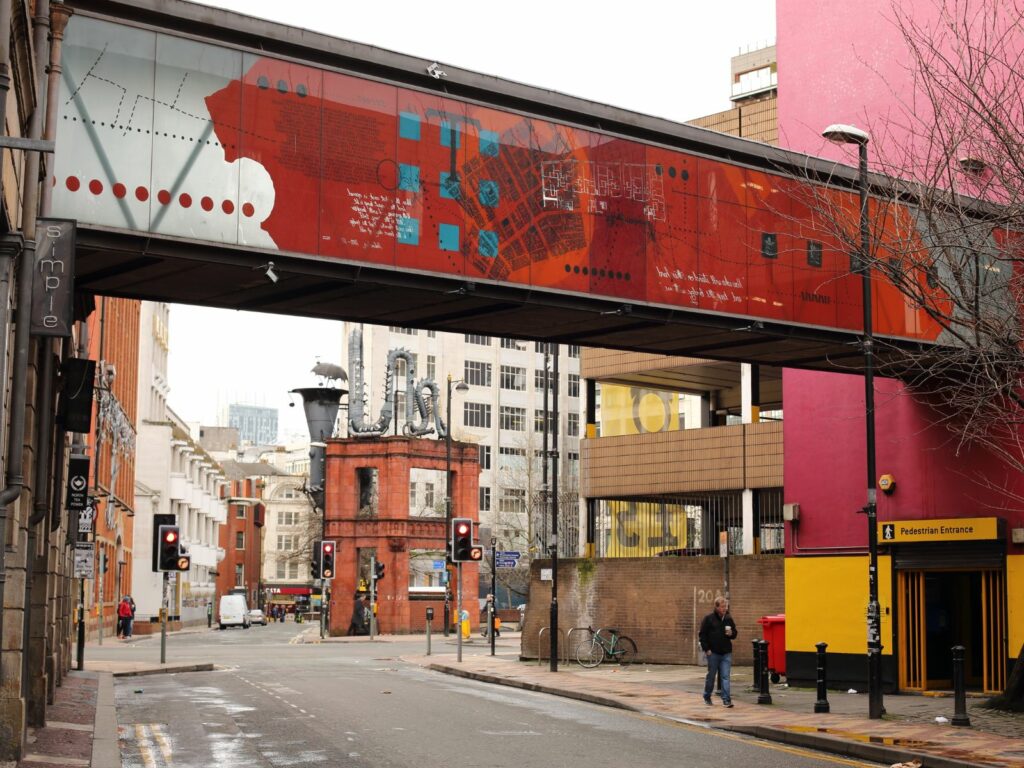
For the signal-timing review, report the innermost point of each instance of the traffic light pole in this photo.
(163, 619)
(458, 613)
(373, 596)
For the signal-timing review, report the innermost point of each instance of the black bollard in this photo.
(821, 705)
(959, 694)
(755, 683)
(764, 697)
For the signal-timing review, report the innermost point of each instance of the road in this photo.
(275, 702)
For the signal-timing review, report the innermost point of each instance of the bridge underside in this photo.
(115, 263)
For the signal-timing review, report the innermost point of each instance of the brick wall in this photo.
(659, 602)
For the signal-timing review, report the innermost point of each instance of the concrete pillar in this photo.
(748, 521)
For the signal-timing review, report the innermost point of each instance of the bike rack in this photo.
(564, 645)
(568, 638)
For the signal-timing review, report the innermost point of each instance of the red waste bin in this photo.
(774, 631)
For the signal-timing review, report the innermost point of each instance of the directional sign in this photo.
(85, 560)
(506, 559)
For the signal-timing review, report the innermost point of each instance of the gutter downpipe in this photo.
(15, 479)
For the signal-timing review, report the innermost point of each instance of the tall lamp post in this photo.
(460, 386)
(848, 134)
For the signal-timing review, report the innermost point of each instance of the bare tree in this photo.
(947, 226)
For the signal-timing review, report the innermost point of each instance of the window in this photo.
(573, 350)
(813, 253)
(240, 512)
(572, 425)
(293, 570)
(476, 415)
(769, 245)
(239, 540)
(432, 367)
(287, 517)
(428, 495)
(473, 338)
(538, 420)
(511, 459)
(512, 418)
(538, 379)
(542, 347)
(513, 344)
(574, 385)
(513, 377)
(485, 456)
(513, 501)
(477, 373)
(403, 331)
(281, 566)
(287, 542)
(291, 492)
(485, 498)
(239, 575)
(431, 334)
(412, 495)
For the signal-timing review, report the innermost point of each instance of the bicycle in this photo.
(590, 653)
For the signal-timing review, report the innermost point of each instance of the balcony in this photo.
(687, 461)
(177, 488)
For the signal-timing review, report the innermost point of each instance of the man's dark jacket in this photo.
(712, 633)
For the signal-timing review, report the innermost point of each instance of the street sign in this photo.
(87, 515)
(438, 565)
(78, 483)
(85, 560)
(506, 559)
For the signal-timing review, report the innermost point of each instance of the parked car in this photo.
(256, 616)
(234, 612)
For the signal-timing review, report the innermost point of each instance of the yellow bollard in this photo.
(465, 625)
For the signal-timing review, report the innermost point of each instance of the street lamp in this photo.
(848, 134)
(460, 386)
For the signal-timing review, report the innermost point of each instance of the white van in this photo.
(233, 612)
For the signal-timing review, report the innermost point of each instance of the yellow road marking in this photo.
(142, 738)
(161, 739)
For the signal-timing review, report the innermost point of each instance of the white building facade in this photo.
(174, 476)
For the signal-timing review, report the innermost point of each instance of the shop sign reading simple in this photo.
(53, 282)
(950, 529)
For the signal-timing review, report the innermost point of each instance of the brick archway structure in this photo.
(388, 527)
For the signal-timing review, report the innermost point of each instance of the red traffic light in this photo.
(328, 547)
(170, 536)
(462, 528)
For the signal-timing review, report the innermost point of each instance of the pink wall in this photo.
(824, 438)
(846, 63)
(839, 63)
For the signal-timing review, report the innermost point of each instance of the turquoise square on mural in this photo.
(450, 186)
(409, 126)
(408, 230)
(446, 134)
(409, 177)
(448, 237)
(489, 143)
(488, 244)
(488, 193)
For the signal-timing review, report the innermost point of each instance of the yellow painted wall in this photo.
(643, 529)
(1015, 603)
(827, 601)
(636, 411)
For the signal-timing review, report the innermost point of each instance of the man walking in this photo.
(717, 632)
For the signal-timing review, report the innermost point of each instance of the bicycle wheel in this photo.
(625, 651)
(589, 653)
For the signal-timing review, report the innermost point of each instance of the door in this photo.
(939, 609)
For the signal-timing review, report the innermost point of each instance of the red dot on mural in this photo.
(185, 199)
(95, 186)
(73, 183)
(142, 193)
(247, 209)
(119, 190)
(227, 206)
(163, 196)
(207, 204)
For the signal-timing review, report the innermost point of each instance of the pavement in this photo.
(81, 729)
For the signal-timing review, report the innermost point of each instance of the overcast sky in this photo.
(669, 59)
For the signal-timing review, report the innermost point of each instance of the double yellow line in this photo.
(153, 745)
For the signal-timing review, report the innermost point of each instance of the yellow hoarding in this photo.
(637, 410)
(645, 528)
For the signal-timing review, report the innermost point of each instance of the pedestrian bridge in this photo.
(215, 159)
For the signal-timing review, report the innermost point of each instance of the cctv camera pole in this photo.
(163, 619)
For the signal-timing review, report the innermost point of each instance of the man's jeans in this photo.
(718, 664)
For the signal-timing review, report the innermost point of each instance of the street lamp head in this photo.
(838, 133)
(462, 387)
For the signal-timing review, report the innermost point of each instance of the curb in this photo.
(106, 752)
(165, 670)
(876, 753)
